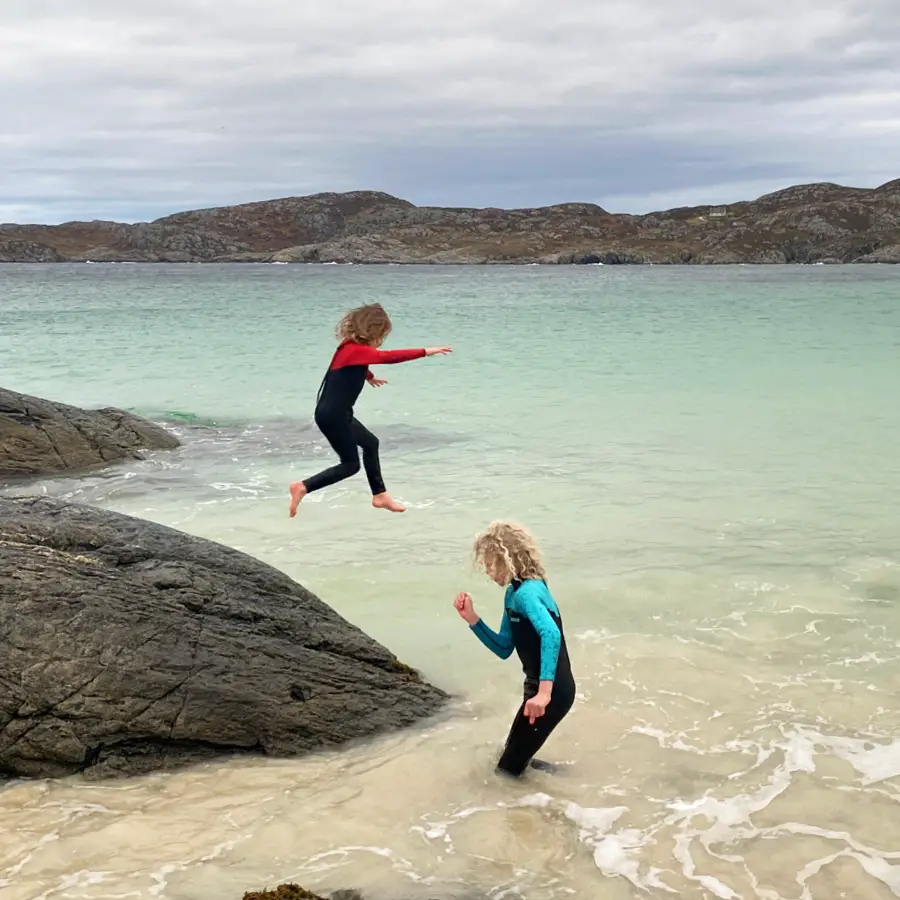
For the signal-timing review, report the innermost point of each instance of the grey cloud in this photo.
(111, 112)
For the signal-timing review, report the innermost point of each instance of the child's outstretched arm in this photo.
(499, 643)
(361, 355)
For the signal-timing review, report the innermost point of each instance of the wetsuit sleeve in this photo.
(360, 355)
(531, 604)
(500, 644)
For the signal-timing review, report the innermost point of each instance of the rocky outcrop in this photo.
(882, 255)
(28, 252)
(800, 224)
(602, 258)
(292, 891)
(295, 892)
(39, 437)
(126, 647)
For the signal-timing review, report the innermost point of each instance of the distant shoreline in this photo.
(813, 223)
(434, 265)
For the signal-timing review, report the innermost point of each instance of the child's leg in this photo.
(339, 434)
(372, 463)
(517, 753)
(368, 443)
(526, 739)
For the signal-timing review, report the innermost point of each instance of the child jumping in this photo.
(360, 333)
(532, 626)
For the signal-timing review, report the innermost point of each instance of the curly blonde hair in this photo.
(508, 551)
(368, 325)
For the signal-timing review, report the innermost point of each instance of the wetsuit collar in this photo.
(516, 583)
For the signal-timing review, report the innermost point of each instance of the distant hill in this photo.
(801, 224)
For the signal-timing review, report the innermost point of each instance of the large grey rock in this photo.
(40, 437)
(126, 646)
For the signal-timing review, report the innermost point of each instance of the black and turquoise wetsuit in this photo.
(532, 626)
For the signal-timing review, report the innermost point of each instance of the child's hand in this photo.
(463, 605)
(536, 706)
(377, 382)
(438, 351)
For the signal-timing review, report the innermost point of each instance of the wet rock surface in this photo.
(41, 437)
(127, 647)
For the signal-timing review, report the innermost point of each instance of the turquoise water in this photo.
(709, 458)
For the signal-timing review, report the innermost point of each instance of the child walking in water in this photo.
(360, 333)
(532, 626)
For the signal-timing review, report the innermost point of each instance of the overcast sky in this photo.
(132, 110)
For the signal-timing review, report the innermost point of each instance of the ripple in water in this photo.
(694, 769)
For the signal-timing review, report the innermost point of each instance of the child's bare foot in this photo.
(298, 492)
(385, 501)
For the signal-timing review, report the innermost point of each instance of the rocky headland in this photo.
(802, 224)
(127, 647)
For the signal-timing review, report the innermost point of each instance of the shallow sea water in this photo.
(708, 457)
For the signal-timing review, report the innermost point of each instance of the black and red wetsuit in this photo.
(343, 382)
